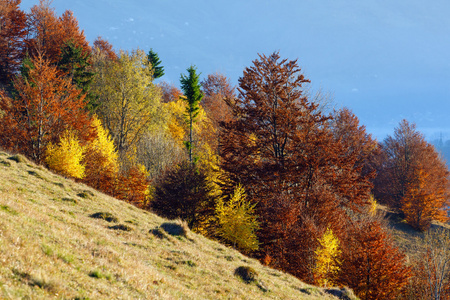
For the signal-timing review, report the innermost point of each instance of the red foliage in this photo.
(12, 35)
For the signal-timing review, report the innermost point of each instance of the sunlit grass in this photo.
(51, 247)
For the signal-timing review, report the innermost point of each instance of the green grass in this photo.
(56, 250)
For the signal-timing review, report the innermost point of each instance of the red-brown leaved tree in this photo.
(12, 35)
(46, 104)
(412, 177)
(293, 162)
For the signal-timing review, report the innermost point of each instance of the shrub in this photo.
(248, 274)
(122, 227)
(176, 229)
(184, 193)
(65, 158)
(105, 216)
(237, 221)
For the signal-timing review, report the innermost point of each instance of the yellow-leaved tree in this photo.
(327, 259)
(66, 157)
(129, 101)
(237, 221)
(101, 160)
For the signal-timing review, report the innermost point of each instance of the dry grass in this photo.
(52, 248)
(406, 237)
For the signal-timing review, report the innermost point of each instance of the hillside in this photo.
(53, 246)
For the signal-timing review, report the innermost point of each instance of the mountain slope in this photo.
(53, 246)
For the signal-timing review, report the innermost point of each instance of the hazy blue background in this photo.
(385, 60)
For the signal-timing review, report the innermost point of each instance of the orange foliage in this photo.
(133, 186)
(412, 177)
(45, 106)
(372, 265)
(45, 32)
(217, 88)
(170, 92)
(425, 200)
(71, 31)
(49, 33)
(105, 48)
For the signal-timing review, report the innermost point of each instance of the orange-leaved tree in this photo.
(426, 198)
(48, 33)
(133, 186)
(372, 265)
(216, 88)
(412, 177)
(45, 105)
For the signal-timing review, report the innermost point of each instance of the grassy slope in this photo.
(407, 238)
(50, 247)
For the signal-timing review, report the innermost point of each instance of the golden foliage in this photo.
(65, 158)
(101, 159)
(237, 221)
(327, 259)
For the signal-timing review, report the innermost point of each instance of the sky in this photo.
(386, 60)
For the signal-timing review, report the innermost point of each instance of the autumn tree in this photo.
(327, 259)
(193, 95)
(12, 35)
(46, 104)
(155, 64)
(292, 163)
(169, 92)
(105, 49)
(129, 103)
(237, 222)
(72, 33)
(431, 266)
(101, 160)
(66, 157)
(132, 185)
(412, 177)
(372, 265)
(216, 88)
(48, 33)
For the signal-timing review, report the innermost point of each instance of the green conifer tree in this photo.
(75, 62)
(158, 71)
(193, 95)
